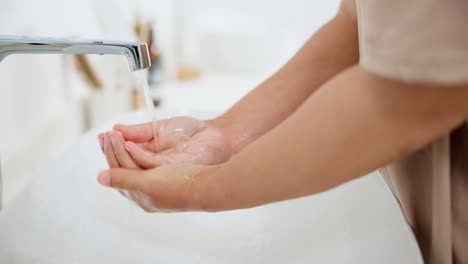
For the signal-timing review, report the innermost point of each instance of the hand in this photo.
(179, 139)
(170, 188)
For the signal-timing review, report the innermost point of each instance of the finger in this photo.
(139, 199)
(101, 141)
(137, 133)
(144, 201)
(144, 158)
(123, 192)
(129, 184)
(121, 154)
(124, 179)
(109, 152)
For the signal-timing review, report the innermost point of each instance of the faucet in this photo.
(136, 52)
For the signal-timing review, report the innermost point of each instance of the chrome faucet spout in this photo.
(136, 51)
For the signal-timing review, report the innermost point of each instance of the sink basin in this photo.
(64, 216)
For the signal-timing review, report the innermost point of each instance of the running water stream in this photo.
(149, 104)
(179, 133)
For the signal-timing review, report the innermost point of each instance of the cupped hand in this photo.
(170, 188)
(177, 140)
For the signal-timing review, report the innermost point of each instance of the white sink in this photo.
(64, 216)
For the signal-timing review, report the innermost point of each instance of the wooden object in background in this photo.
(138, 101)
(185, 73)
(86, 71)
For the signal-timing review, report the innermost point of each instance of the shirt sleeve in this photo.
(420, 41)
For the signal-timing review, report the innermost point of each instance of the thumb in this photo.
(122, 178)
(137, 133)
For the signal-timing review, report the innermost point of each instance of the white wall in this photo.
(237, 35)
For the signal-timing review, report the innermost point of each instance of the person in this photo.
(382, 83)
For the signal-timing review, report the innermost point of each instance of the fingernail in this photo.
(158, 161)
(104, 178)
(105, 140)
(112, 138)
(128, 146)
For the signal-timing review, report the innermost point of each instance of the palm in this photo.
(178, 140)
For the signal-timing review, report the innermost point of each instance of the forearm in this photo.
(353, 125)
(332, 49)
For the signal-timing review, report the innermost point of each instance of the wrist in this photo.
(222, 125)
(209, 191)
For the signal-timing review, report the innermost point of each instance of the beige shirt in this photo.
(425, 41)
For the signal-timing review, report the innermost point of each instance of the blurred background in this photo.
(206, 54)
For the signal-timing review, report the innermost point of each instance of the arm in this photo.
(354, 124)
(331, 50)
